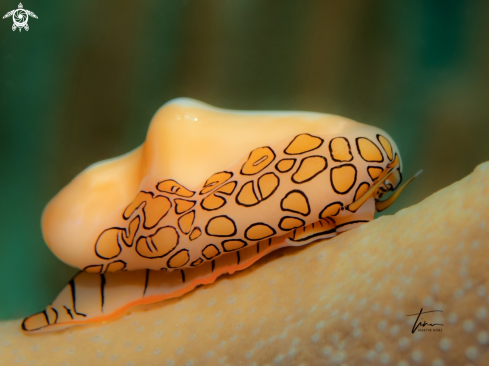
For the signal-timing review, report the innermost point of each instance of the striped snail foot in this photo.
(95, 297)
(62, 312)
(50, 318)
(322, 229)
(35, 322)
(88, 297)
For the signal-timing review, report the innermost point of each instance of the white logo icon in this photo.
(20, 17)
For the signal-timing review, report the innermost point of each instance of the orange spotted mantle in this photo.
(172, 236)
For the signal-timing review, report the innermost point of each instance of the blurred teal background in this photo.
(83, 83)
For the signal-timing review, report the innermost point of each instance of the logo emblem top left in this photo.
(20, 17)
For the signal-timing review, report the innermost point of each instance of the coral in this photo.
(339, 301)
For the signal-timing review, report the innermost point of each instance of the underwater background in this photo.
(84, 82)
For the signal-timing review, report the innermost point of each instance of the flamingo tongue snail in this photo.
(209, 192)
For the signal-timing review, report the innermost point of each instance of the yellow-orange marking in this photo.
(259, 231)
(374, 172)
(343, 178)
(340, 149)
(331, 210)
(171, 186)
(107, 245)
(289, 223)
(215, 181)
(132, 229)
(296, 201)
(230, 245)
(285, 165)
(196, 232)
(93, 269)
(386, 145)
(361, 190)
(116, 266)
(159, 244)
(394, 163)
(210, 251)
(258, 160)
(228, 188)
(213, 202)
(140, 198)
(179, 259)
(220, 226)
(309, 168)
(185, 222)
(246, 196)
(182, 205)
(196, 262)
(369, 151)
(155, 209)
(267, 184)
(303, 143)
